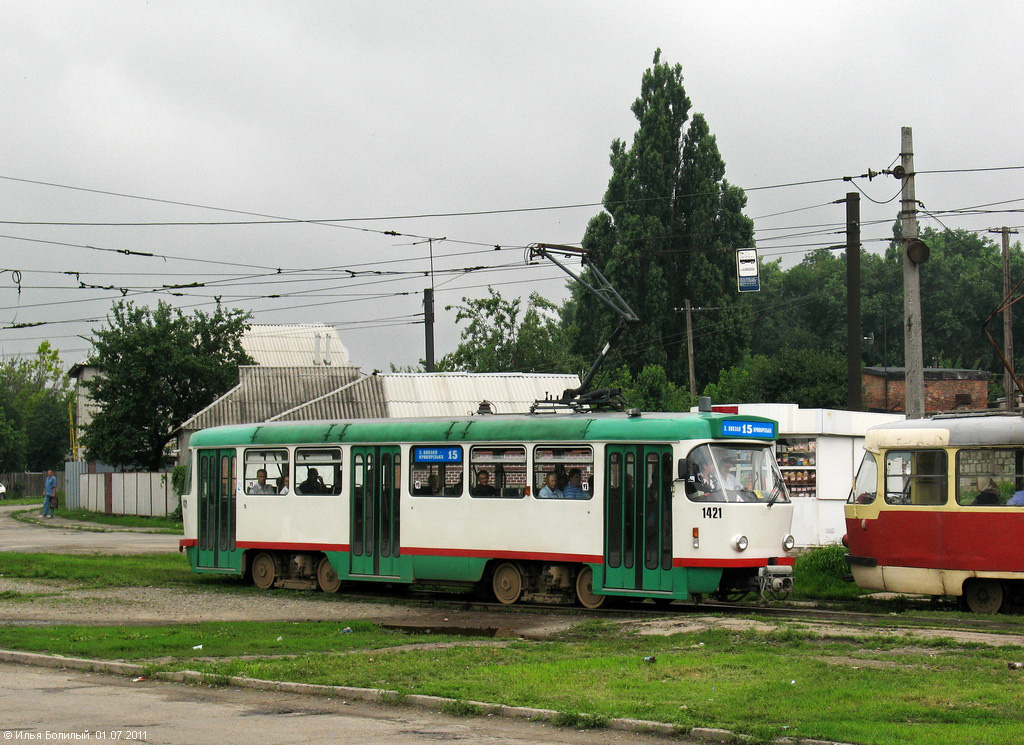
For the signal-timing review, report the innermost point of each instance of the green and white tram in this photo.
(539, 507)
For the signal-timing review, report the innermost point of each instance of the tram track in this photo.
(646, 611)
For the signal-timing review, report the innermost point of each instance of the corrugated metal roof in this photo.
(459, 394)
(263, 392)
(295, 345)
(362, 399)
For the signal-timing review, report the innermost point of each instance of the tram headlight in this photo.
(788, 542)
(740, 543)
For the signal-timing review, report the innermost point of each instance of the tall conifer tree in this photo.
(670, 223)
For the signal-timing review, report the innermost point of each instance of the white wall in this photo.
(149, 494)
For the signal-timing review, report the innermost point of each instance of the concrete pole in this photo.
(428, 319)
(913, 345)
(1008, 386)
(853, 327)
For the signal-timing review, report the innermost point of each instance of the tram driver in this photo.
(729, 480)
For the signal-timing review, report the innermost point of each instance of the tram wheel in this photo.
(983, 595)
(326, 578)
(507, 583)
(585, 590)
(264, 571)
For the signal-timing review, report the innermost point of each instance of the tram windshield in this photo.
(733, 473)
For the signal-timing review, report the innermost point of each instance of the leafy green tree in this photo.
(34, 424)
(802, 308)
(496, 340)
(157, 367)
(651, 390)
(811, 378)
(670, 223)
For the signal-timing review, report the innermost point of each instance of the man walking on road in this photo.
(50, 494)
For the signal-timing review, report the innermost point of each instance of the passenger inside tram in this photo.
(989, 495)
(483, 487)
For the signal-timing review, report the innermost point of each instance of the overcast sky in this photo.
(208, 112)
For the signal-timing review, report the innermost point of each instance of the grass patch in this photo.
(103, 521)
(578, 720)
(754, 684)
(124, 521)
(877, 690)
(460, 708)
(145, 570)
(818, 575)
(208, 640)
(23, 500)
(16, 597)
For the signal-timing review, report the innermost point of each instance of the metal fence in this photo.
(127, 493)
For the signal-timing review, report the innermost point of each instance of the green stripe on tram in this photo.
(539, 428)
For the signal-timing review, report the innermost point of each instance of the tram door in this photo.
(376, 492)
(217, 481)
(638, 517)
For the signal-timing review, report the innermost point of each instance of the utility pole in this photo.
(1008, 374)
(853, 327)
(428, 311)
(912, 256)
(428, 319)
(689, 349)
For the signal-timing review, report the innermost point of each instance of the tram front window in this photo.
(733, 473)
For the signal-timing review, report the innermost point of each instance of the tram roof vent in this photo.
(704, 404)
(631, 413)
(485, 407)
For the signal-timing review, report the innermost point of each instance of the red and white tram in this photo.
(938, 509)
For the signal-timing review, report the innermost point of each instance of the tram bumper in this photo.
(774, 581)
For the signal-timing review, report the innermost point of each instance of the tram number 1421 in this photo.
(712, 513)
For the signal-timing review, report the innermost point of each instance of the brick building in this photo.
(944, 389)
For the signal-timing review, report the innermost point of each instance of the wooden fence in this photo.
(28, 484)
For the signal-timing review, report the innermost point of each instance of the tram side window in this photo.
(865, 488)
(505, 466)
(990, 477)
(318, 471)
(915, 477)
(266, 471)
(573, 466)
(436, 471)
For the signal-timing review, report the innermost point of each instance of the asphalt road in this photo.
(41, 704)
(58, 536)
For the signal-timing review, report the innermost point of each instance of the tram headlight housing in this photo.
(740, 543)
(788, 542)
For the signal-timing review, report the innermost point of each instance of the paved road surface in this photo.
(41, 704)
(58, 536)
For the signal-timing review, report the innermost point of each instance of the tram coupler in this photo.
(774, 581)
